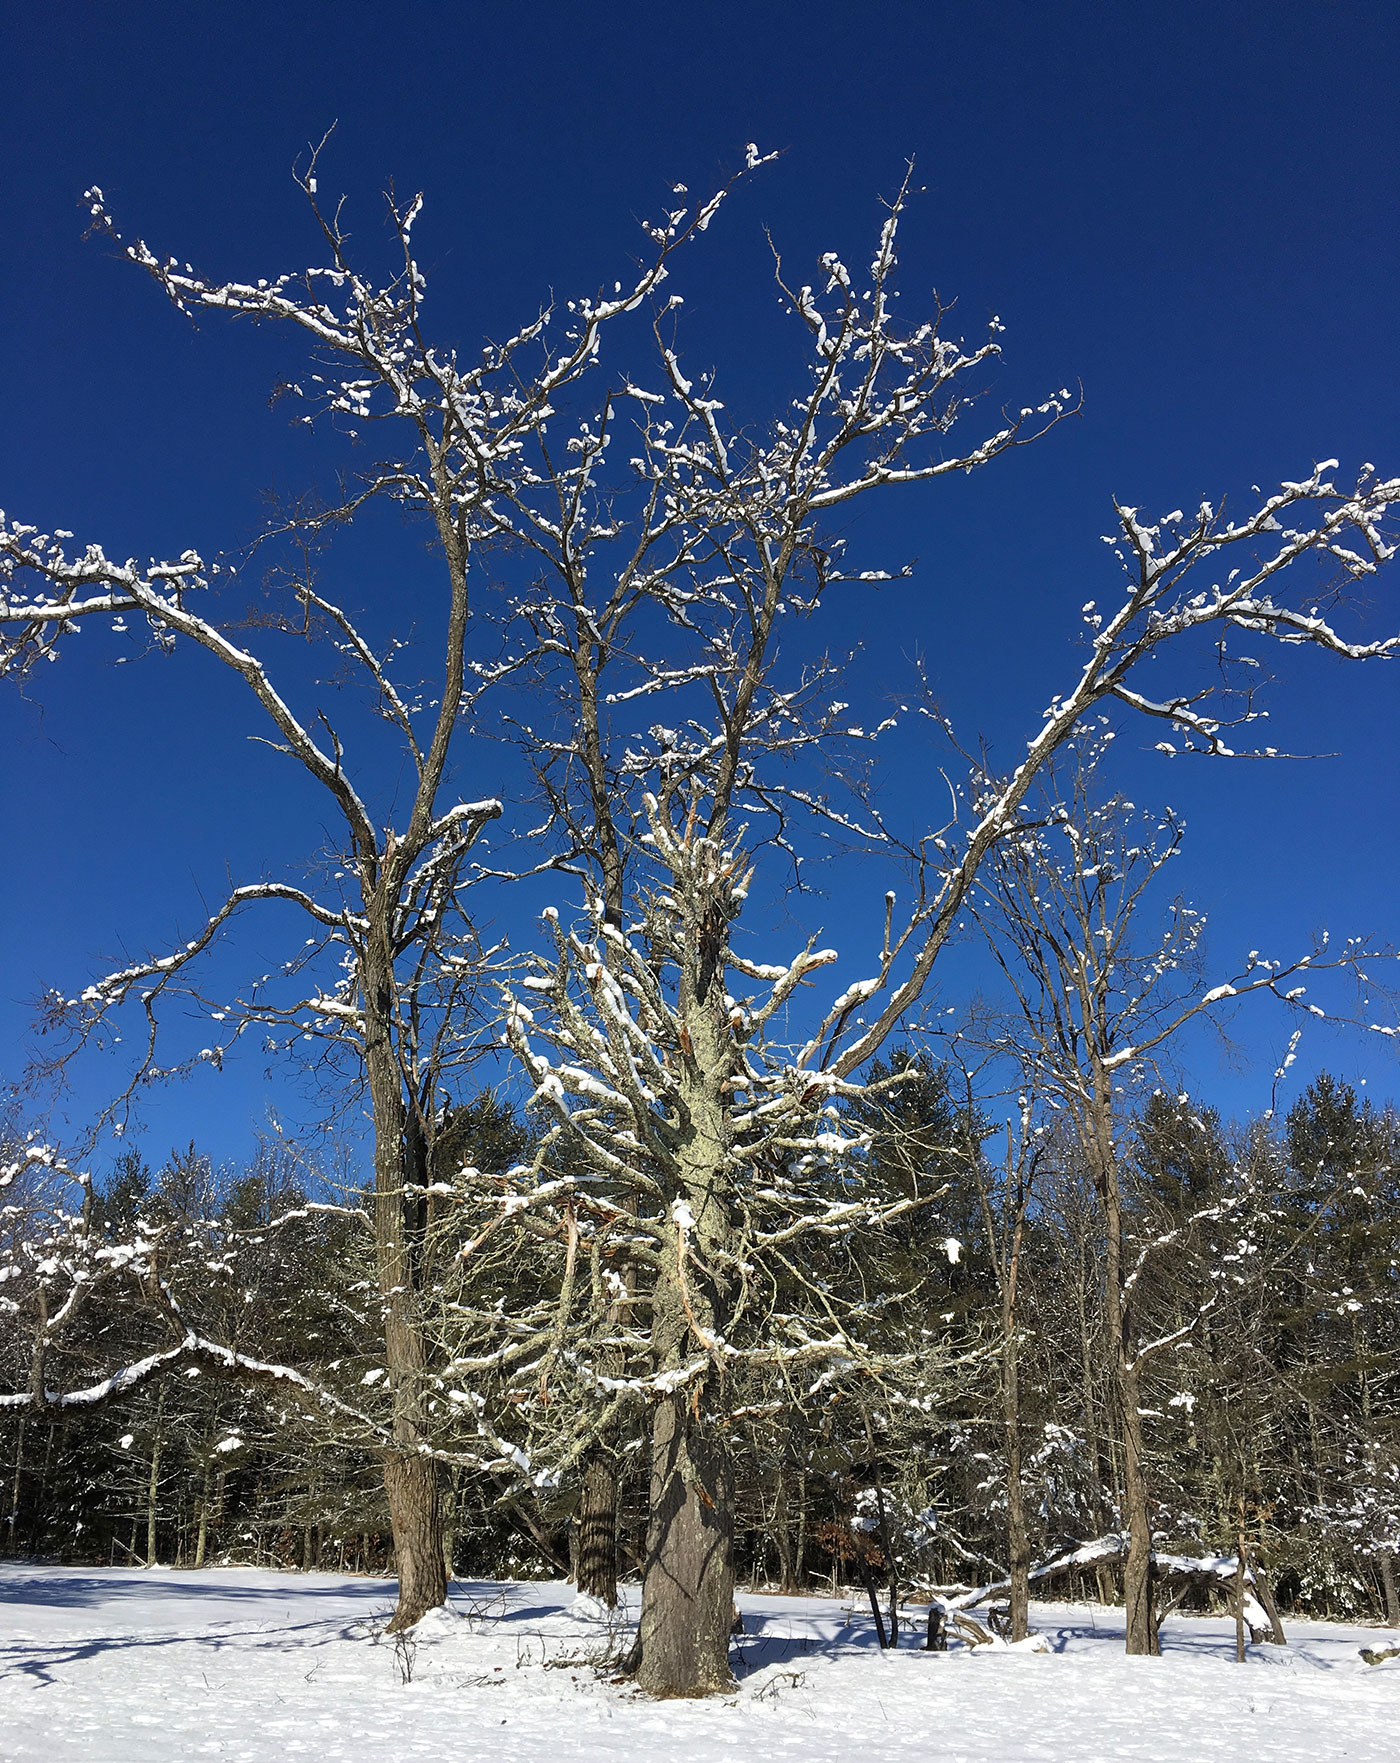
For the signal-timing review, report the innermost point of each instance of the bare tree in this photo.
(385, 973)
(727, 539)
(1094, 1002)
(660, 595)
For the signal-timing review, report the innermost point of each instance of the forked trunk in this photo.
(688, 1592)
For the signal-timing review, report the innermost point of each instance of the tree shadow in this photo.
(68, 1588)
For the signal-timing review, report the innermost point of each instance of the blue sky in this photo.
(1190, 209)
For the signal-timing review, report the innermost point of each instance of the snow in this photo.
(122, 1666)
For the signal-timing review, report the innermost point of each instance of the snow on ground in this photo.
(122, 1666)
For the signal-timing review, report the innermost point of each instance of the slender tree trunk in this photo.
(872, 1591)
(597, 1528)
(1008, 1280)
(1392, 1597)
(451, 1493)
(411, 1479)
(19, 1478)
(202, 1538)
(799, 1575)
(1018, 1544)
(782, 1533)
(1138, 1587)
(41, 1495)
(153, 1484)
(1139, 1614)
(1266, 1597)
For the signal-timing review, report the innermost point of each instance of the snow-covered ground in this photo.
(121, 1666)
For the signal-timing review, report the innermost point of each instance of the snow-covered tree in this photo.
(665, 607)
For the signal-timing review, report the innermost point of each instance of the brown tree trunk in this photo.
(688, 1592)
(688, 1589)
(18, 1482)
(1264, 1593)
(1138, 1587)
(205, 1492)
(1018, 1544)
(450, 1495)
(411, 1479)
(597, 1529)
(153, 1484)
(1392, 1598)
(782, 1533)
(415, 1512)
(799, 1568)
(1139, 1613)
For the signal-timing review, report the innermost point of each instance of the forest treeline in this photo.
(1267, 1259)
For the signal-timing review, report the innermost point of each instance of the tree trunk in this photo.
(202, 1539)
(872, 1591)
(1392, 1598)
(1264, 1593)
(688, 1592)
(450, 1494)
(597, 1529)
(415, 1512)
(41, 1496)
(411, 1480)
(1018, 1544)
(153, 1485)
(1140, 1617)
(799, 1571)
(1138, 1588)
(19, 1478)
(782, 1533)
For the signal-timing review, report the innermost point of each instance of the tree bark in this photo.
(782, 1533)
(411, 1479)
(597, 1529)
(1018, 1544)
(1392, 1597)
(153, 1484)
(205, 1492)
(688, 1592)
(415, 1512)
(688, 1589)
(1265, 1595)
(18, 1482)
(1138, 1589)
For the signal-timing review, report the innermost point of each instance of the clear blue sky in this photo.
(1190, 208)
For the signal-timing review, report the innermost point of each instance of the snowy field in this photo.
(121, 1666)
